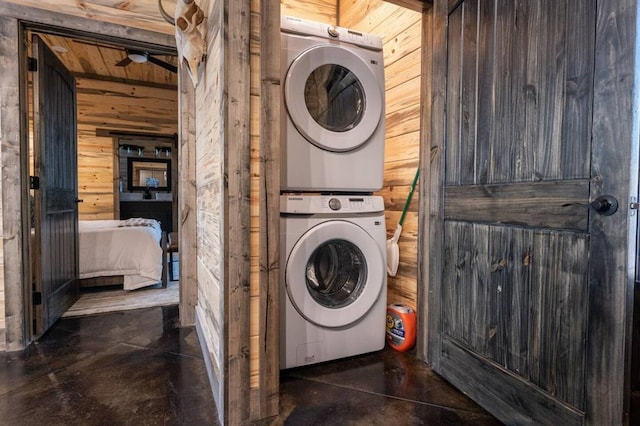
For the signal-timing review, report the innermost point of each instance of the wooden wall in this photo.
(140, 14)
(114, 106)
(314, 10)
(210, 204)
(401, 31)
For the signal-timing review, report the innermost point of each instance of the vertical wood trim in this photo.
(269, 209)
(116, 177)
(615, 117)
(433, 198)
(237, 186)
(187, 223)
(14, 205)
(424, 284)
(175, 181)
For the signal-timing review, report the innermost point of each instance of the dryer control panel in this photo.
(311, 204)
(292, 25)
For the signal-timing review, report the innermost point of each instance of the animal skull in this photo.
(189, 40)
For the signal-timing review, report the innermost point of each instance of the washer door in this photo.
(334, 274)
(333, 98)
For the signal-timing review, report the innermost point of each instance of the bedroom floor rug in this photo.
(120, 300)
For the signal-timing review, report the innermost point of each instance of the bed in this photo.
(130, 249)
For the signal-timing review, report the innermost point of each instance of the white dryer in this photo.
(334, 282)
(333, 108)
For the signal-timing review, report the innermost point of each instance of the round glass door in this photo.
(334, 274)
(333, 98)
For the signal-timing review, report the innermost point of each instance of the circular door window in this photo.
(333, 98)
(334, 274)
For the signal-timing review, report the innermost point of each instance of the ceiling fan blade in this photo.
(123, 63)
(163, 64)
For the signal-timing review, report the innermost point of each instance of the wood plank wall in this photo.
(121, 107)
(210, 204)
(313, 10)
(401, 31)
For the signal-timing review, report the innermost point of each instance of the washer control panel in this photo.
(331, 204)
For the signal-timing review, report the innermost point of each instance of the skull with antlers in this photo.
(189, 41)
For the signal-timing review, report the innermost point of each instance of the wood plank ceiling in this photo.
(97, 60)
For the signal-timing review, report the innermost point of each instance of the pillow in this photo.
(139, 221)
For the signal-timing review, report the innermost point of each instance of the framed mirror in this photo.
(150, 173)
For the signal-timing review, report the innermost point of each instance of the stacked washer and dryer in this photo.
(333, 290)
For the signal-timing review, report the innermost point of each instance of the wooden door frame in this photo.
(616, 109)
(14, 20)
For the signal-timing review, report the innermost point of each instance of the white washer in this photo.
(333, 108)
(334, 283)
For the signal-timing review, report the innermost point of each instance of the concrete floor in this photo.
(139, 368)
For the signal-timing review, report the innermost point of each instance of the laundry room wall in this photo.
(314, 10)
(401, 32)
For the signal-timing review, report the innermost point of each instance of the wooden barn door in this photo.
(56, 224)
(530, 277)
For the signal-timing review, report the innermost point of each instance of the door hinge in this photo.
(37, 298)
(32, 64)
(34, 182)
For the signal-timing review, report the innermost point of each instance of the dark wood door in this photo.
(528, 307)
(55, 156)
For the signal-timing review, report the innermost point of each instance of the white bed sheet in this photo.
(132, 251)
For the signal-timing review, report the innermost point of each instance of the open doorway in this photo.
(124, 92)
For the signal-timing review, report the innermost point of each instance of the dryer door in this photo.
(333, 98)
(334, 274)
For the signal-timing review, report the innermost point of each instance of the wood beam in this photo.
(269, 209)
(47, 20)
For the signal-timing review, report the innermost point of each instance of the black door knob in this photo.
(605, 205)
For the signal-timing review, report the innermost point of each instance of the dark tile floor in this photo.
(138, 367)
(382, 388)
(126, 368)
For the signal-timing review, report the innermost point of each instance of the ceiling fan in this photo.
(139, 57)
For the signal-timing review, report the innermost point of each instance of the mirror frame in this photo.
(130, 183)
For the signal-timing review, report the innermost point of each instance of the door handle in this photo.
(78, 200)
(604, 205)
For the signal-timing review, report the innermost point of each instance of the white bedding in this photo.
(132, 251)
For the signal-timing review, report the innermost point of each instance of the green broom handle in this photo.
(406, 203)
